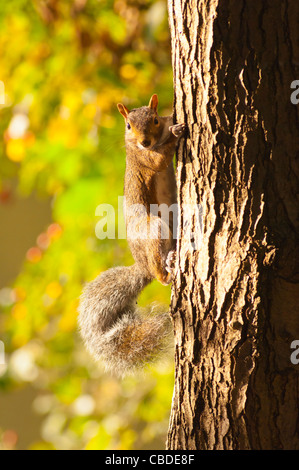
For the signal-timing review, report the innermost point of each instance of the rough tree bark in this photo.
(235, 300)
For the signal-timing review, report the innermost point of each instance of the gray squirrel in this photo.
(112, 328)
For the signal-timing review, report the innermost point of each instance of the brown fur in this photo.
(111, 327)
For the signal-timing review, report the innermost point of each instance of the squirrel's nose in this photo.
(145, 143)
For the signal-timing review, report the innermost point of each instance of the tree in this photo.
(236, 294)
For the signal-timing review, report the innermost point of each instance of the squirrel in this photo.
(111, 326)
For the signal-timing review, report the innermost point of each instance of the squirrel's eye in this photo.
(156, 121)
(128, 126)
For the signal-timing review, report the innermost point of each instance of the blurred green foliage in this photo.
(65, 64)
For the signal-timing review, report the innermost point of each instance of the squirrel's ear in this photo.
(153, 104)
(123, 110)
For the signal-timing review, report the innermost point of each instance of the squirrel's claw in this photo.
(178, 129)
(170, 261)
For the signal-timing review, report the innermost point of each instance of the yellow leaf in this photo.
(19, 311)
(20, 339)
(128, 71)
(68, 320)
(54, 290)
(20, 293)
(15, 150)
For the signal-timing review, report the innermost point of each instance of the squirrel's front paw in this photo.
(170, 261)
(178, 129)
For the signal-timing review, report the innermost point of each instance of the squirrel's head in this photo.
(143, 125)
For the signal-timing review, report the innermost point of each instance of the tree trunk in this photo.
(235, 299)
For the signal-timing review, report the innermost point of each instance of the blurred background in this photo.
(64, 64)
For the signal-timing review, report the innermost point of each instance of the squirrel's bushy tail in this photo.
(112, 328)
